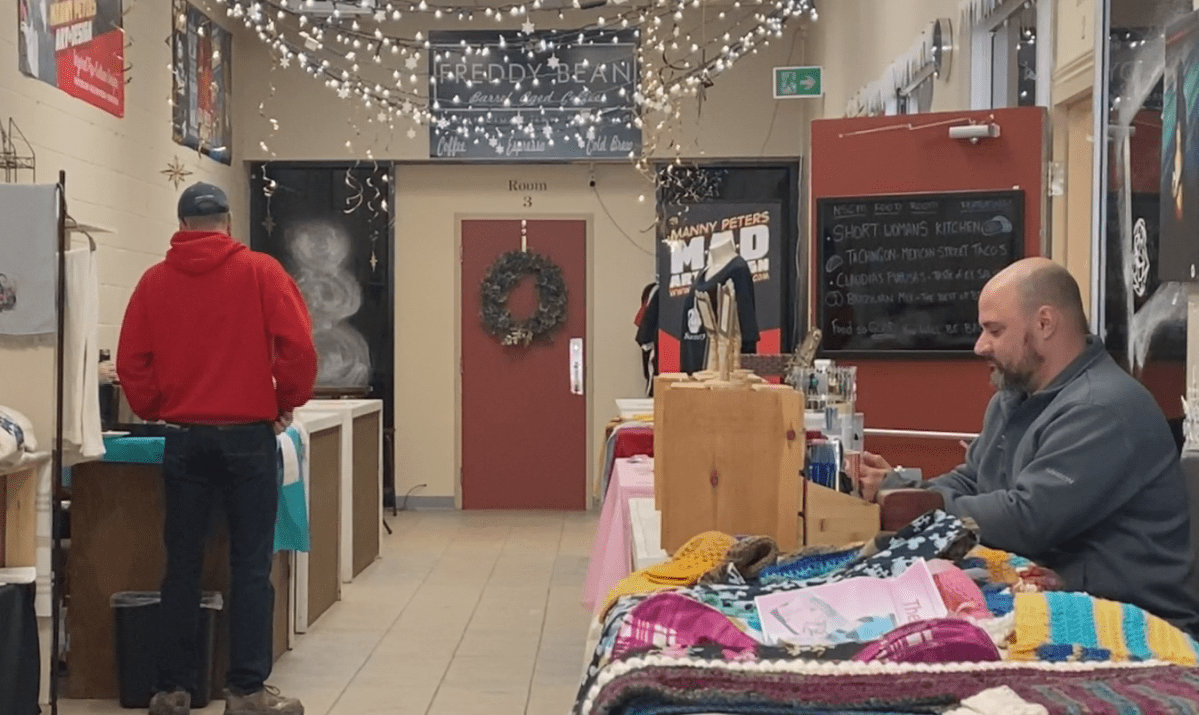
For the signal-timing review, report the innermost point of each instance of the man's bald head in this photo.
(1039, 282)
(1033, 323)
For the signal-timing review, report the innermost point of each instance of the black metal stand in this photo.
(56, 560)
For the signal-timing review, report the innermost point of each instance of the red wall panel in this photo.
(912, 154)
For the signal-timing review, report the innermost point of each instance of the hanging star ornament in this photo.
(412, 62)
(411, 133)
(269, 224)
(528, 27)
(553, 61)
(175, 172)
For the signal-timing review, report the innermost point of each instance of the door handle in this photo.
(576, 366)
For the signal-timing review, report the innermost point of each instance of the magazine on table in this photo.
(861, 609)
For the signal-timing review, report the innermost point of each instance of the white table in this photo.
(349, 410)
(646, 523)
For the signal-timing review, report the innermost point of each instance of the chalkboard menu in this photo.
(903, 273)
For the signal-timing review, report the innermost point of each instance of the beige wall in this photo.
(738, 119)
(430, 200)
(856, 40)
(114, 181)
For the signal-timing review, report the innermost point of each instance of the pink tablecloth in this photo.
(611, 555)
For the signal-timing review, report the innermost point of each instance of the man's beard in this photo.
(1017, 378)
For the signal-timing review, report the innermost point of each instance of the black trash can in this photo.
(136, 631)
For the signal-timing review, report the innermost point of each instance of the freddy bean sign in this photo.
(512, 96)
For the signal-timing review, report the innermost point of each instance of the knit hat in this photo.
(1060, 626)
(700, 554)
(749, 555)
(671, 620)
(936, 640)
(961, 595)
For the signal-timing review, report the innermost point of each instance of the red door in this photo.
(910, 154)
(524, 432)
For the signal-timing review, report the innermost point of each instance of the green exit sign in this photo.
(792, 82)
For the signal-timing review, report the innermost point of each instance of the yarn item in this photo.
(961, 595)
(748, 556)
(699, 555)
(1060, 626)
(670, 620)
(937, 640)
(804, 565)
(998, 701)
(691, 685)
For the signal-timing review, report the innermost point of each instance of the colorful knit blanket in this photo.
(1060, 626)
(699, 648)
(663, 685)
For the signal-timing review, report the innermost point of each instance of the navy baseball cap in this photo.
(201, 199)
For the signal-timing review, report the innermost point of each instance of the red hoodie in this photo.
(207, 329)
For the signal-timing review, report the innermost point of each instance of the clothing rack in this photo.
(57, 563)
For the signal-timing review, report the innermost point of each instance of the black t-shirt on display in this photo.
(693, 348)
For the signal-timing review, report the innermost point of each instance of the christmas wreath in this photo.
(504, 275)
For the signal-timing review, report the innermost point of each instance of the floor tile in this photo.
(466, 613)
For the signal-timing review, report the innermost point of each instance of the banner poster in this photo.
(202, 80)
(684, 235)
(77, 46)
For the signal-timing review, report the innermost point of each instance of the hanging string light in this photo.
(361, 50)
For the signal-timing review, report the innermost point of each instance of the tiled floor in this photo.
(466, 612)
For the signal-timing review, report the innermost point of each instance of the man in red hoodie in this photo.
(217, 342)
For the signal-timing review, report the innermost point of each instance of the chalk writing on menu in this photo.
(904, 272)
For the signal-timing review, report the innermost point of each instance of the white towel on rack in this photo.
(81, 435)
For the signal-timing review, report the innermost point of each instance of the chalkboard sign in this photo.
(510, 96)
(903, 273)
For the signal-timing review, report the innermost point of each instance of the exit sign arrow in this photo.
(798, 82)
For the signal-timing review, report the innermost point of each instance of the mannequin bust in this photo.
(720, 252)
(720, 304)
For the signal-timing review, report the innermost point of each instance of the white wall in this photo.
(114, 180)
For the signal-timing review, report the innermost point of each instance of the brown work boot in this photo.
(267, 701)
(176, 703)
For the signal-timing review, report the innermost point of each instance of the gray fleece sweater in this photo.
(1083, 477)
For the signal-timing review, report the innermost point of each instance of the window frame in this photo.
(992, 55)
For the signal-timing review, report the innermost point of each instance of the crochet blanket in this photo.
(700, 649)
(664, 685)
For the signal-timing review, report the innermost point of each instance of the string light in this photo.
(342, 44)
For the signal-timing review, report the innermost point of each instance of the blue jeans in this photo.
(238, 464)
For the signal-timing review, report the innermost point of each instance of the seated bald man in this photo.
(1075, 467)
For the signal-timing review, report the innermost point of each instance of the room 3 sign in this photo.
(528, 188)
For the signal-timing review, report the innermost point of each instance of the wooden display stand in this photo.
(729, 450)
(18, 518)
(727, 457)
(833, 518)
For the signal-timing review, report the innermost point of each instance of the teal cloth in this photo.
(291, 524)
(133, 450)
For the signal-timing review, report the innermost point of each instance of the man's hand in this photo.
(283, 421)
(871, 474)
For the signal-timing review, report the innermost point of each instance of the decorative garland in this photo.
(504, 275)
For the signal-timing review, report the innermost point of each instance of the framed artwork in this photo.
(202, 80)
